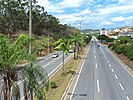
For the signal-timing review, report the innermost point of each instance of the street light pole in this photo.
(48, 43)
(30, 24)
(80, 24)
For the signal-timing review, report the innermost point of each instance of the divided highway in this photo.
(50, 65)
(102, 77)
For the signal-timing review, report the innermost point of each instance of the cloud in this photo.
(95, 13)
(50, 6)
(121, 18)
(118, 19)
(85, 12)
(70, 3)
(106, 23)
(125, 1)
(114, 9)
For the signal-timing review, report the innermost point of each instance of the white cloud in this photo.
(93, 13)
(49, 6)
(118, 19)
(106, 23)
(85, 12)
(121, 18)
(125, 1)
(115, 9)
(70, 3)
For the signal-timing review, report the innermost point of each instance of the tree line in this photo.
(14, 18)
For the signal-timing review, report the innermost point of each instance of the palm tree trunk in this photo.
(31, 94)
(6, 89)
(63, 65)
(25, 91)
(75, 50)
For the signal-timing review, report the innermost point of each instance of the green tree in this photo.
(62, 44)
(11, 55)
(125, 39)
(77, 39)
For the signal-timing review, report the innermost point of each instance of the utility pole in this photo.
(30, 24)
(48, 43)
(80, 24)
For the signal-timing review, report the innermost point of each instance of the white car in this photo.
(55, 55)
(71, 51)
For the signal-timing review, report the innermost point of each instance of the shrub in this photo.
(114, 46)
(120, 48)
(53, 84)
(129, 52)
(110, 45)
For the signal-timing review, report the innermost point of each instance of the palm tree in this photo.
(62, 44)
(77, 39)
(11, 55)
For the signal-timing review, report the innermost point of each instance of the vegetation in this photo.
(14, 19)
(124, 46)
(30, 75)
(69, 68)
(105, 38)
(46, 29)
(53, 84)
(62, 44)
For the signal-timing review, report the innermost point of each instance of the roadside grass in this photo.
(62, 81)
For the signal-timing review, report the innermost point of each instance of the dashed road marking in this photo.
(121, 86)
(98, 86)
(109, 65)
(116, 76)
(112, 69)
(108, 61)
(96, 65)
(127, 97)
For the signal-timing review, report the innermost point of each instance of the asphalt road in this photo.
(102, 77)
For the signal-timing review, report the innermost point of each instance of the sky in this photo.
(91, 14)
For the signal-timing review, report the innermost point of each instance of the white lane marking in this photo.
(106, 58)
(112, 69)
(98, 86)
(47, 64)
(127, 97)
(116, 77)
(121, 86)
(95, 56)
(108, 61)
(96, 65)
(109, 65)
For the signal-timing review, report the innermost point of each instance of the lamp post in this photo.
(30, 24)
(48, 43)
(80, 24)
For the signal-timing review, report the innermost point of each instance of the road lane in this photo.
(124, 77)
(103, 78)
(82, 92)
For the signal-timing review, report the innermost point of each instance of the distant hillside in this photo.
(89, 31)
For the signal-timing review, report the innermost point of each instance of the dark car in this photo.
(98, 45)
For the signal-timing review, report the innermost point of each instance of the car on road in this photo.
(71, 51)
(98, 45)
(55, 55)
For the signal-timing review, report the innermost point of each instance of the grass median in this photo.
(62, 81)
